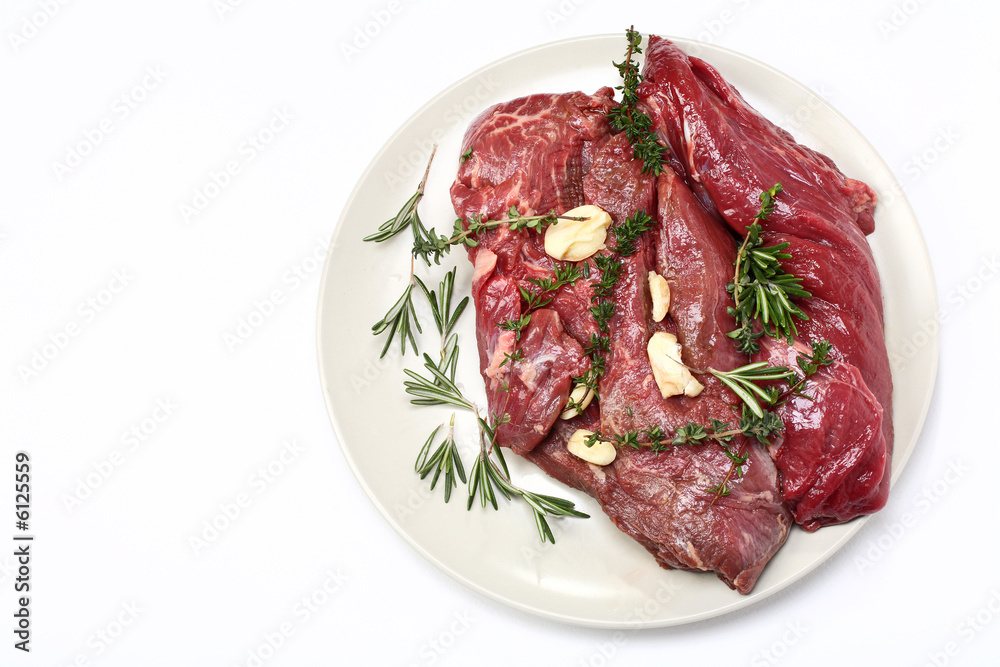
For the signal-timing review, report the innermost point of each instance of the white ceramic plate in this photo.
(594, 575)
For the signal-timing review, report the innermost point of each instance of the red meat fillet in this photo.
(730, 154)
(664, 500)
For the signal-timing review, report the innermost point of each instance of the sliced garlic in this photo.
(672, 376)
(659, 292)
(579, 399)
(601, 453)
(575, 240)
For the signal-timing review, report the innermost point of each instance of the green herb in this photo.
(810, 365)
(603, 310)
(516, 325)
(466, 155)
(564, 274)
(407, 216)
(637, 126)
(627, 233)
(445, 459)
(760, 428)
(690, 434)
(444, 317)
(489, 473)
(400, 319)
(743, 381)
(512, 357)
(630, 439)
(437, 386)
(440, 387)
(749, 425)
(761, 289)
(430, 245)
(610, 268)
(597, 345)
(720, 489)
(602, 313)
(820, 357)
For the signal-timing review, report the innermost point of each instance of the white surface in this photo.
(916, 584)
(595, 575)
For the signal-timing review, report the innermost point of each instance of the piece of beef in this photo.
(528, 153)
(531, 154)
(832, 452)
(527, 378)
(730, 154)
(664, 500)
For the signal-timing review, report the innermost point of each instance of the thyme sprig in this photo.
(638, 127)
(610, 267)
(545, 291)
(761, 289)
(428, 244)
(750, 425)
(629, 232)
(820, 357)
(810, 365)
(690, 434)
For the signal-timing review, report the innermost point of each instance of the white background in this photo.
(118, 309)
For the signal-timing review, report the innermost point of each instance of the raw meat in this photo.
(530, 154)
(730, 153)
(664, 500)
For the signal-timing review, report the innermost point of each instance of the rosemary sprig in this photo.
(407, 216)
(743, 381)
(637, 126)
(761, 288)
(490, 473)
(445, 459)
(444, 317)
(401, 318)
(440, 387)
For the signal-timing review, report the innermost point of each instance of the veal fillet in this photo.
(729, 154)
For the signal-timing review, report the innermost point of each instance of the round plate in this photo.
(594, 575)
